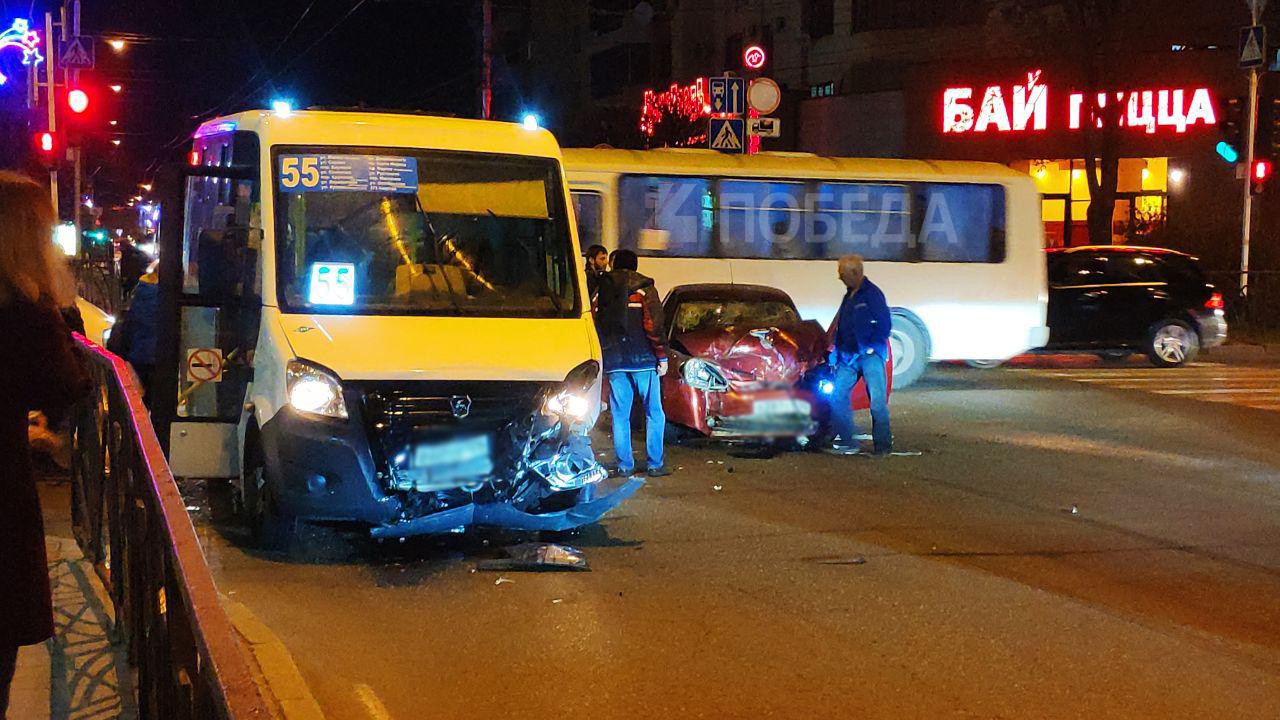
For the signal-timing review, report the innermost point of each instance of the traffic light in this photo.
(1268, 137)
(1260, 173)
(1231, 127)
(46, 145)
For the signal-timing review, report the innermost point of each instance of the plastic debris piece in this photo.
(538, 556)
(502, 580)
(717, 488)
(719, 462)
(557, 601)
(851, 560)
(1074, 510)
(193, 508)
(711, 462)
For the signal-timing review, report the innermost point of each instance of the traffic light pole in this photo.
(51, 104)
(77, 173)
(1251, 133)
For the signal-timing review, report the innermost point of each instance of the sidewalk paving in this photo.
(79, 673)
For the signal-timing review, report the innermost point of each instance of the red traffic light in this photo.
(1261, 169)
(45, 142)
(78, 101)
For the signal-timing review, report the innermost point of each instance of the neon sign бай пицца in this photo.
(1026, 108)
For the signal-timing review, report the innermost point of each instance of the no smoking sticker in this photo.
(204, 365)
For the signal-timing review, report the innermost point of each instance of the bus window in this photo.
(680, 206)
(871, 220)
(761, 219)
(588, 208)
(962, 223)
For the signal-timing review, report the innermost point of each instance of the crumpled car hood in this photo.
(774, 354)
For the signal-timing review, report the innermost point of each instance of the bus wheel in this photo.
(910, 347)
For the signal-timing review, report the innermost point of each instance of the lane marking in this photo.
(372, 704)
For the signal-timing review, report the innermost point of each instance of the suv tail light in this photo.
(1214, 302)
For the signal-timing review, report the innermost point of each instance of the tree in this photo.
(1090, 36)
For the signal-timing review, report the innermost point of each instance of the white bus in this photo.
(957, 247)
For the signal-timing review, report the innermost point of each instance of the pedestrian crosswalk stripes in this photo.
(1252, 387)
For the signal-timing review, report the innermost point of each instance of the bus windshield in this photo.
(423, 233)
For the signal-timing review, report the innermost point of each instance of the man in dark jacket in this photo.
(860, 348)
(134, 335)
(597, 265)
(635, 357)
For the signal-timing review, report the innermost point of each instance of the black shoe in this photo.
(884, 451)
(658, 472)
(615, 471)
(842, 448)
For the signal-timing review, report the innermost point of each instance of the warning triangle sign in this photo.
(726, 139)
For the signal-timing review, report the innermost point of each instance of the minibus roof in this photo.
(368, 129)
(694, 161)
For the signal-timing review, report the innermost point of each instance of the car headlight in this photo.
(314, 391)
(702, 374)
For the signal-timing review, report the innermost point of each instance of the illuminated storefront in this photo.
(1160, 113)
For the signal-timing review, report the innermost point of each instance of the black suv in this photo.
(1118, 300)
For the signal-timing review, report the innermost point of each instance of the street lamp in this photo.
(116, 87)
(116, 44)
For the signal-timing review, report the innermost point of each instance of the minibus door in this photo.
(210, 308)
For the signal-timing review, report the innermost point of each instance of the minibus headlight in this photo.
(571, 405)
(572, 401)
(704, 375)
(314, 391)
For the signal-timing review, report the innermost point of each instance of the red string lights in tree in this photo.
(676, 117)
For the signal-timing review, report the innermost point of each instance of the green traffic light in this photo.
(1227, 151)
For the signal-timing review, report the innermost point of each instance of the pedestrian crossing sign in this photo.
(1253, 46)
(77, 53)
(728, 135)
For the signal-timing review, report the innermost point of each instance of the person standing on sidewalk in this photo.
(859, 349)
(39, 370)
(597, 265)
(635, 358)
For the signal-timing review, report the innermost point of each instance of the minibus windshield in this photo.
(422, 233)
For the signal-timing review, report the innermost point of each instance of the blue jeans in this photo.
(871, 369)
(624, 388)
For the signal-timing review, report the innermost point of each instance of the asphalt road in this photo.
(737, 587)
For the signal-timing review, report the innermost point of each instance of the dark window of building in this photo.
(733, 51)
(607, 15)
(899, 14)
(619, 67)
(819, 17)
(826, 89)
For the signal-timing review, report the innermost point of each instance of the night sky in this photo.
(187, 61)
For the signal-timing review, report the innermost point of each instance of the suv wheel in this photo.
(1173, 343)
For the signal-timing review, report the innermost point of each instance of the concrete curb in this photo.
(276, 672)
(1243, 353)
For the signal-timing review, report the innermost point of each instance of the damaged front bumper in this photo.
(539, 471)
(504, 515)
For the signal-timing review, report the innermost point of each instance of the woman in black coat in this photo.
(39, 370)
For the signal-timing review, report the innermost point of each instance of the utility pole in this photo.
(486, 60)
(1251, 132)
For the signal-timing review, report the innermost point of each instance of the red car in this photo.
(745, 366)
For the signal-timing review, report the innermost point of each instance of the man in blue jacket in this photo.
(860, 348)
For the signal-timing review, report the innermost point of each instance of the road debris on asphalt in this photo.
(538, 557)
(1072, 510)
(717, 488)
(502, 580)
(851, 560)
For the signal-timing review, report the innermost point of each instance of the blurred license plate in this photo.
(465, 456)
(782, 406)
